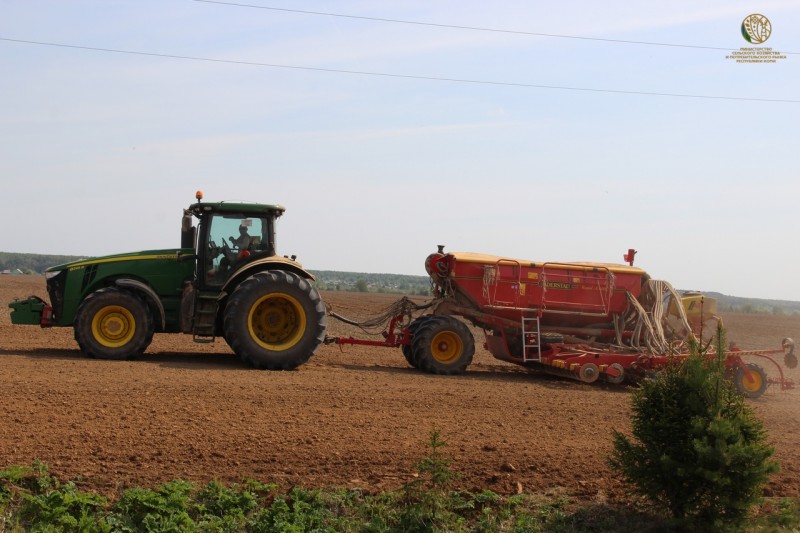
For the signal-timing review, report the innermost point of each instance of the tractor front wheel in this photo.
(751, 382)
(113, 324)
(443, 345)
(275, 320)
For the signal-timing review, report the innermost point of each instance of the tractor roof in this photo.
(236, 207)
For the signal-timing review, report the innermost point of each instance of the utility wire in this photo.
(401, 76)
(473, 28)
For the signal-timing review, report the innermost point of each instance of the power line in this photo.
(401, 76)
(473, 28)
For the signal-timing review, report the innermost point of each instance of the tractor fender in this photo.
(274, 262)
(150, 295)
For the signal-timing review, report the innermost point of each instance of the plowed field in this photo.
(358, 418)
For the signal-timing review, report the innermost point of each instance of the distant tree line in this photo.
(332, 280)
(32, 263)
(391, 283)
(736, 304)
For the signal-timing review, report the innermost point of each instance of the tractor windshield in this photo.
(231, 240)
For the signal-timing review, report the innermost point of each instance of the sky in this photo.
(384, 139)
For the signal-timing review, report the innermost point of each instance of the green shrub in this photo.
(33, 479)
(38, 502)
(429, 503)
(164, 509)
(698, 449)
(63, 509)
(297, 512)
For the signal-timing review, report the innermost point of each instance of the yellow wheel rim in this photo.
(276, 321)
(752, 382)
(113, 326)
(446, 347)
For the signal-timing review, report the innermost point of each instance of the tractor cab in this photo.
(228, 236)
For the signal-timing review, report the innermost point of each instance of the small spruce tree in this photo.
(697, 448)
(429, 502)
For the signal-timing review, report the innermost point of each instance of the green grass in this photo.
(31, 499)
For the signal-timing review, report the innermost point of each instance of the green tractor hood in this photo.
(145, 255)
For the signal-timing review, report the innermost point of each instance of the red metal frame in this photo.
(391, 339)
(570, 357)
(512, 291)
(567, 359)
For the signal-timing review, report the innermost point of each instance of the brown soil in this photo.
(358, 418)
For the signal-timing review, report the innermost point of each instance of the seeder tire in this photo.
(113, 324)
(751, 386)
(443, 345)
(408, 350)
(275, 320)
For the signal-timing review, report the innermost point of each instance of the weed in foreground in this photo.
(36, 501)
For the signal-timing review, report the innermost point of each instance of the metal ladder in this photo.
(204, 318)
(530, 328)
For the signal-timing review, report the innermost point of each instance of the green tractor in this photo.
(225, 280)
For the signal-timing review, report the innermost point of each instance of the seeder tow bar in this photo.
(585, 321)
(396, 333)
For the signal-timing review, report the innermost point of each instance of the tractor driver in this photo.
(242, 242)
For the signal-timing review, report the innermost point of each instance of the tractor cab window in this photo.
(231, 240)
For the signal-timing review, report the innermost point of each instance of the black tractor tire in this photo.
(275, 320)
(114, 324)
(408, 350)
(752, 386)
(443, 345)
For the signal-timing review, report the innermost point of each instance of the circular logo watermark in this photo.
(756, 28)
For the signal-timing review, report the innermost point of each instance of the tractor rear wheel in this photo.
(408, 349)
(443, 345)
(113, 324)
(752, 385)
(275, 320)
